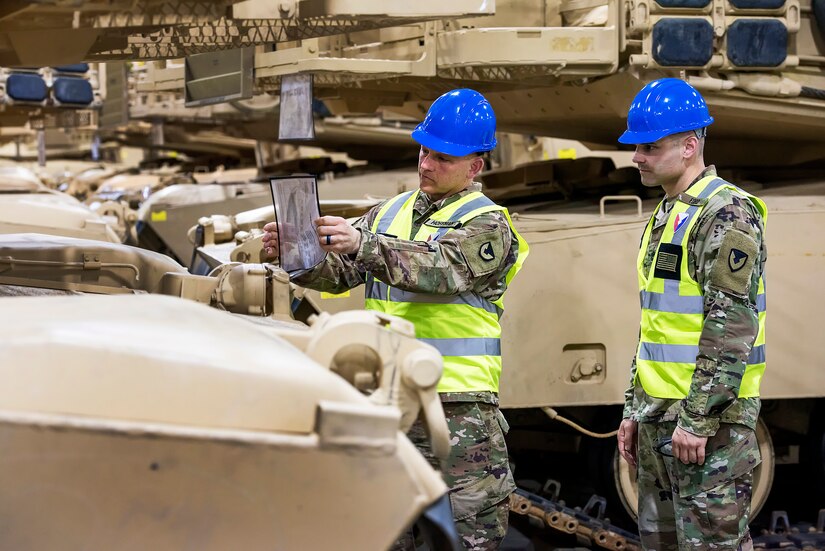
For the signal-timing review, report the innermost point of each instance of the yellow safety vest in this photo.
(673, 309)
(465, 327)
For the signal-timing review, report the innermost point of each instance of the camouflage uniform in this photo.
(705, 506)
(477, 471)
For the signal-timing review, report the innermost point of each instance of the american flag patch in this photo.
(667, 262)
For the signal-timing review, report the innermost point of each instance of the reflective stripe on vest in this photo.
(464, 328)
(673, 309)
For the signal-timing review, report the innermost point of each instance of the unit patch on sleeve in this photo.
(734, 264)
(668, 261)
(483, 252)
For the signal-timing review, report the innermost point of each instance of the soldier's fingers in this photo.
(628, 456)
(692, 455)
(679, 452)
(700, 456)
(326, 230)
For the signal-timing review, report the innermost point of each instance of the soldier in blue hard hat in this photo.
(442, 257)
(691, 410)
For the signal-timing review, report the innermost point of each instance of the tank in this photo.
(570, 71)
(221, 238)
(165, 217)
(173, 424)
(573, 357)
(27, 205)
(559, 69)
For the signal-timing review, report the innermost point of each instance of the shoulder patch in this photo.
(733, 267)
(483, 252)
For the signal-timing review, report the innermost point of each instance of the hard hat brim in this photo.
(635, 138)
(448, 148)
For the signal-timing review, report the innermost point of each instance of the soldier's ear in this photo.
(691, 145)
(476, 166)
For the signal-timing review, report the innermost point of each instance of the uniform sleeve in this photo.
(338, 272)
(729, 252)
(474, 257)
(630, 410)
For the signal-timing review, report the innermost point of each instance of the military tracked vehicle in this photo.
(170, 424)
(570, 70)
(572, 356)
(27, 205)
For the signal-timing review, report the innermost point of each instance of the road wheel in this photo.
(625, 476)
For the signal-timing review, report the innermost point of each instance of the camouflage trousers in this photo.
(683, 507)
(477, 473)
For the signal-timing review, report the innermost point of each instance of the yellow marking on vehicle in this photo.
(345, 294)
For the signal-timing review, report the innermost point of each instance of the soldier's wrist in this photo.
(697, 424)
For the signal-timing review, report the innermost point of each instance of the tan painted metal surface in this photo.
(42, 33)
(138, 421)
(27, 205)
(549, 72)
(577, 349)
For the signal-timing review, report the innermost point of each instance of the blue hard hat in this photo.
(664, 107)
(458, 123)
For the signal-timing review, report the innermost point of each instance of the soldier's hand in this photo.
(687, 447)
(337, 235)
(627, 435)
(270, 239)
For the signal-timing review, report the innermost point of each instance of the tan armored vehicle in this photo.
(26, 205)
(572, 355)
(165, 217)
(166, 423)
(570, 70)
(237, 237)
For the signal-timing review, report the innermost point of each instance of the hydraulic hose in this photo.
(553, 414)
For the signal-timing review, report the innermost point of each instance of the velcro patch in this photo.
(668, 262)
(734, 265)
(483, 252)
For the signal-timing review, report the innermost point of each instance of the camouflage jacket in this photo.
(448, 266)
(731, 320)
